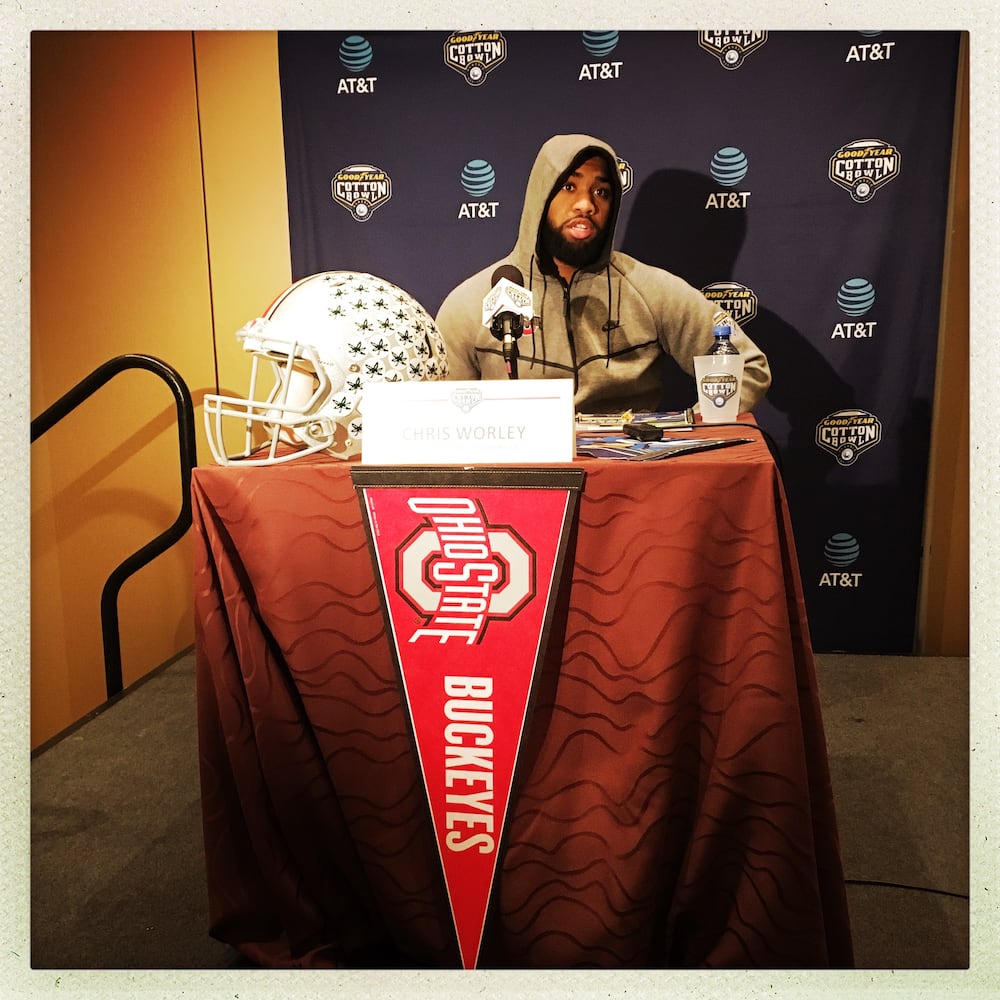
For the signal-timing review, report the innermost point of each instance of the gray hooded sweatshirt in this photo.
(610, 330)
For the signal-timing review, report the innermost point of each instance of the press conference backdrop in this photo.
(799, 178)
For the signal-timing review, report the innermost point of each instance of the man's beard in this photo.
(576, 253)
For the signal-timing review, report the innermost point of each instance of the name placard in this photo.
(468, 422)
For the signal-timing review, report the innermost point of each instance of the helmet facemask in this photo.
(360, 329)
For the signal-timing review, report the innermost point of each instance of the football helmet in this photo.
(323, 339)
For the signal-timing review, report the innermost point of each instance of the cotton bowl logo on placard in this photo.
(466, 399)
(361, 188)
(475, 54)
(459, 573)
(845, 434)
(731, 47)
(863, 166)
(738, 300)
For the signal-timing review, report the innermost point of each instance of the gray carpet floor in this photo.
(117, 878)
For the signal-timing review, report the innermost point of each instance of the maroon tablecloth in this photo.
(676, 809)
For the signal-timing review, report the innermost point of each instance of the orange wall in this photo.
(131, 253)
(159, 225)
(943, 629)
(244, 164)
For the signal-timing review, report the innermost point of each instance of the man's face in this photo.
(578, 214)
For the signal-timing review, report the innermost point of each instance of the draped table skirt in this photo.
(675, 808)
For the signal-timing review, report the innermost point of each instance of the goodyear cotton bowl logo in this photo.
(466, 398)
(475, 54)
(863, 166)
(738, 300)
(847, 433)
(625, 173)
(731, 47)
(459, 573)
(361, 189)
(719, 387)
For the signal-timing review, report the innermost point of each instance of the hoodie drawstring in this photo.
(611, 324)
(535, 326)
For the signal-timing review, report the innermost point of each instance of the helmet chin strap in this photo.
(321, 430)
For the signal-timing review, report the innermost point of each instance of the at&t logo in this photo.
(355, 54)
(737, 300)
(729, 167)
(855, 297)
(459, 573)
(841, 551)
(478, 178)
(863, 166)
(361, 189)
(475, 54)
(845, 434)
(600, 44)
(731, 47)
(870, 51)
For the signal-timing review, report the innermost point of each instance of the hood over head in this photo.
(556, 160)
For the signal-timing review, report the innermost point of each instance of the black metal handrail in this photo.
(188, 459)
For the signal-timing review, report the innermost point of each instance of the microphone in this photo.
(505, 309)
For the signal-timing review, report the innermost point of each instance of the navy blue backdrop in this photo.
(801, 178)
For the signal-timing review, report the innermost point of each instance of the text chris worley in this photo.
(499, 432)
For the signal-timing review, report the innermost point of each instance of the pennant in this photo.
(468, 564)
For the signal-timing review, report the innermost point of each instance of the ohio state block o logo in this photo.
(497, 569)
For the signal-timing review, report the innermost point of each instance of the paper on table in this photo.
(621, 447)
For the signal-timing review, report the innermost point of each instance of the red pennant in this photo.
(468, 564)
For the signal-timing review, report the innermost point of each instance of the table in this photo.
(676, 809)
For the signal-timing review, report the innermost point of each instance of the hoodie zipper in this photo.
(569, 330)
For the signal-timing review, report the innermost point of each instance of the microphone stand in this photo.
(509, 339)
(510, 354)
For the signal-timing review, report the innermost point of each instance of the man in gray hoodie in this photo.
(604, 319)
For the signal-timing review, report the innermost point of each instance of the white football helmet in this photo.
(324, 338)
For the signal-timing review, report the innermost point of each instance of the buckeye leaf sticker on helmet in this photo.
(312, 353)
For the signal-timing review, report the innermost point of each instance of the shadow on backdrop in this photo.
(669, 227)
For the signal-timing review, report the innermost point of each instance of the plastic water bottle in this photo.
(721, 343)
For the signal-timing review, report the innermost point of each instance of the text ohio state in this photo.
(466, 572)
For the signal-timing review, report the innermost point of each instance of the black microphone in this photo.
(506, 309)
